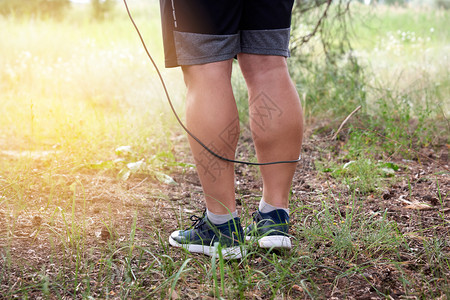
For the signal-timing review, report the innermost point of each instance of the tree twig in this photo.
(307, 37)
(345, 121)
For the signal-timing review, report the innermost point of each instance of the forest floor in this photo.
(48, 243)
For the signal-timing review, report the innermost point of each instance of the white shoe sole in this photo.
(273, 241)
(235, 252)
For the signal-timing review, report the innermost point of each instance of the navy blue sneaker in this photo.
(204, 236)
(270, 229)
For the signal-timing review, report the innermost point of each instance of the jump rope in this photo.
(178, 118)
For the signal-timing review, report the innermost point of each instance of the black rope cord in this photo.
(178, 118)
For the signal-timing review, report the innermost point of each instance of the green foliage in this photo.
(34, 8)
(444, 4)
(328, 76)
(128, 162)
(333, 79)
(398, 127)
(328, 89)
(434, 255)
(349, 232)
(362, 176)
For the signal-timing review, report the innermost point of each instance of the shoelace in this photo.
(197, 221)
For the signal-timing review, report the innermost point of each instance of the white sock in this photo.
(220, 219)
(265, 207)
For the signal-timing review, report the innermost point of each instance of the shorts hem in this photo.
(266, 51)
(194, 48)
(204, 60)
(266, 42)
(170, 64)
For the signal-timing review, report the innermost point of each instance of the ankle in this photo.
(265, 207)
(217, 219)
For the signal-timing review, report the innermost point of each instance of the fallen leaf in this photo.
(414, 235)
(402, 199)
(164, 178)
(418, 206)
(297, 288)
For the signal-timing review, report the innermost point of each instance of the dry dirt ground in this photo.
(37, 233)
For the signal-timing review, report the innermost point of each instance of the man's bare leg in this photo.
(211, 115)
(276, 120)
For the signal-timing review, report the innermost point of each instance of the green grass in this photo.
(70, 91)
(362, 176)
(82, 218)
(401, 78)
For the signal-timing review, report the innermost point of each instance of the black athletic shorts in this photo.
(203, 31)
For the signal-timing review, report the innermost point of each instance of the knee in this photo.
(258, 69)
(204, 74)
